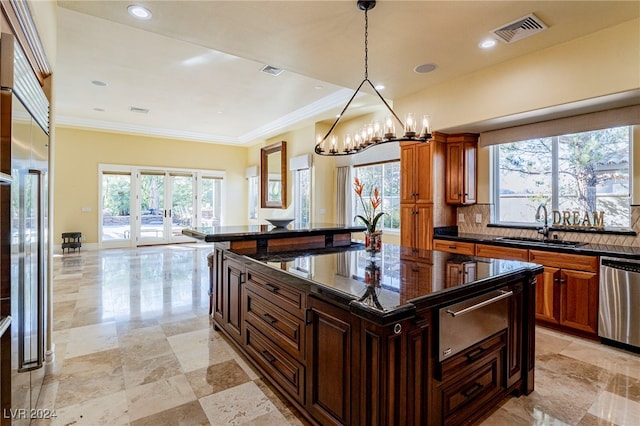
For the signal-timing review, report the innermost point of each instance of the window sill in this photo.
(606, 231)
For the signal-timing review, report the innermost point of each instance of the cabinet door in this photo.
(422, 173)
(407, 225)
(407, 161)
(469, 173)
(234, 277)
(547, 295)
(415, 173)
(579, 300)
(424, 227)
(331, 367)
(453, 179)
(217, 286)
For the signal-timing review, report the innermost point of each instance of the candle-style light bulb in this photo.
(377, 131)
(389, 128)
(334, 145)
(347, 143)
(426, 127)
(410, 126)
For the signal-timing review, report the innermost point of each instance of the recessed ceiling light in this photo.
(425, 68)
(380, 87)
(98, 83)
(139, 12)
(319, 87)
(487, 43)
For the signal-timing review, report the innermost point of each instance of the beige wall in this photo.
(300, 142)
(599, 64)
(79, 152)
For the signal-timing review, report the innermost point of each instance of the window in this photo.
(385, 177)
(253, 197)
(584, 172)
(302, 196)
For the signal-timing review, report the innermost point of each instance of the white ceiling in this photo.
(196, 64)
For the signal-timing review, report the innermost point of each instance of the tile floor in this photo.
(134, 346)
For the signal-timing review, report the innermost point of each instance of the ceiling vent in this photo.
(519, 29)
(138, 110)
(268, 69)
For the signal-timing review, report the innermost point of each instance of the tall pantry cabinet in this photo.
(422, 192)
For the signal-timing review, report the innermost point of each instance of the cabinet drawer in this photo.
(460, 398)
(465, 361)
(485, 250)
(284, 329)
(286, 371)
(455, 247)
(564, 260)
(287, 297)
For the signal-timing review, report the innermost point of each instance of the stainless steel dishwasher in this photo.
(619, 313)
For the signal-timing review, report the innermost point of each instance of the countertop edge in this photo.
(587, 249)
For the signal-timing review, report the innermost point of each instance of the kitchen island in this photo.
(399, 337)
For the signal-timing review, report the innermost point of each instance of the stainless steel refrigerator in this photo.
(24, 128)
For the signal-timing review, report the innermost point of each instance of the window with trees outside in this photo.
(302, 196)
(585, 172)
(385, 177)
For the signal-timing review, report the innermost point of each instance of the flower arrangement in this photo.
(371, 217)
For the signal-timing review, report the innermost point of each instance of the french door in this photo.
(145, 206)
(165, 206)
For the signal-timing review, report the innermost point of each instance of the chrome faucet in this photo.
(545, 229)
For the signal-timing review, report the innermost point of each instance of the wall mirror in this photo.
(273, 176)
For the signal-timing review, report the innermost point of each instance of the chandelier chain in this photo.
(366, 45)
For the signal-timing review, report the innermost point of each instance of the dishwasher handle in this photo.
(503, 295)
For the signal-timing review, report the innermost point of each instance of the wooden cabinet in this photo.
(228, 308)
(461, 169)
(331, 390)
(567, 292)
(416, 160)
(457, 247)
(497, 252)
(416, 195)
(417, 226)
(471, 378)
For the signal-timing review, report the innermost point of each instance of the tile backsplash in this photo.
(469, 225)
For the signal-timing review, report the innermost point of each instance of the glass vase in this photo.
(373, 241)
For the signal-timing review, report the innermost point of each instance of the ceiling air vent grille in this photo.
(268, 69)
(519, 29)
(139, 110)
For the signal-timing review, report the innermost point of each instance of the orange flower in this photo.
(375, 200)
(358, 187)
(370, 217)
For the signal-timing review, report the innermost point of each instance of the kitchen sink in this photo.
(551, 242)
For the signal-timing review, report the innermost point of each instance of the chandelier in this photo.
(375, 133)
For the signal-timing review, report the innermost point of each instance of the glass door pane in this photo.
(153, 211)
(211, 201)
(181, 204)
(116, 207)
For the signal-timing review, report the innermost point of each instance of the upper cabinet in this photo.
(461, 169)
(416, 171)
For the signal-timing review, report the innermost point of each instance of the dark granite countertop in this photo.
(395, 280)
(586, 249)
(251, 232)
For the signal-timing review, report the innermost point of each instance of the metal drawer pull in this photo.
(271, 288)
(473, 390)
(270, 358)
(268, 318)
(503, 295)
(475, 354)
